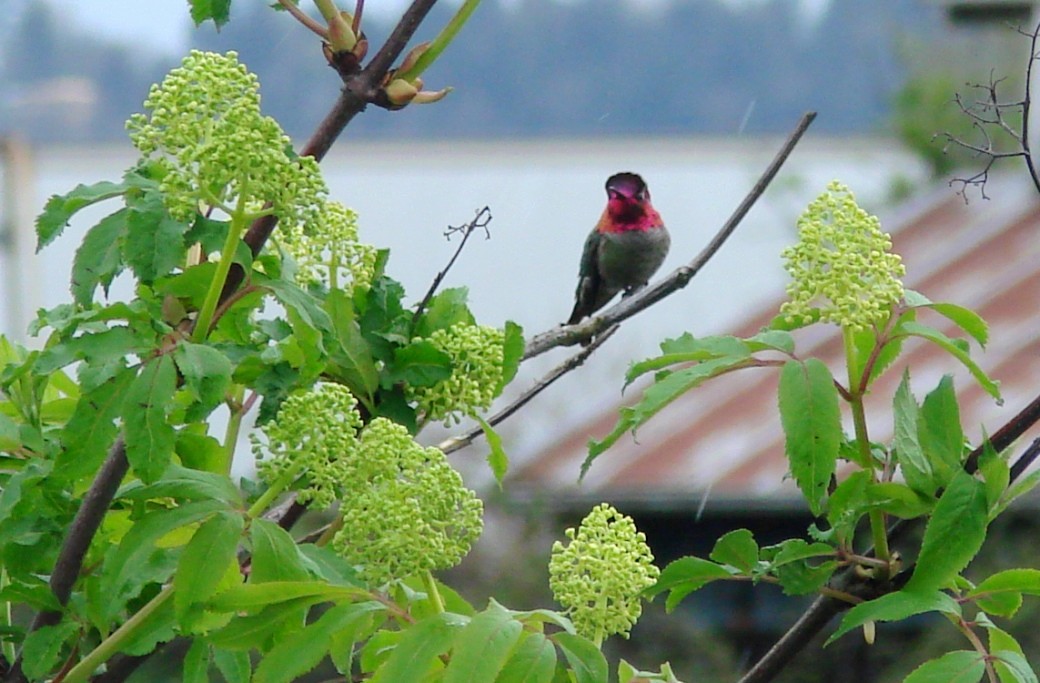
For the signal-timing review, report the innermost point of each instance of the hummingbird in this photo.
(624, 250)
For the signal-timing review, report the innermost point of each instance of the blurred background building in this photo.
(551, 97)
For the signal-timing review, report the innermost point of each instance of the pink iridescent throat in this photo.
(625, 216)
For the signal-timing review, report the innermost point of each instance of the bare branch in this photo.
(568, 335)
(481, 221)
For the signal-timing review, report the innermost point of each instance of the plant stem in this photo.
(5, 620)
(216, 286)
(233, 427)
(432, 593)
(275, 490)
(109, 646)
(442, 41)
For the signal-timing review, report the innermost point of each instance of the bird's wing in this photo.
(588, 279)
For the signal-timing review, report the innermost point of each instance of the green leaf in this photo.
(585, 659)
(448, 307)
(1002, 592)
(276, 557)
(966, 319)
(269, 625)
(939, 430)
(953, 535)
(304, 650)
(44, 648)
(961, 666)
(997, 475)
(59, 209)
(419, 649)
(1013, 666)
(915, 466)
(235, 667)
(154, 243)
(737, 549)
(899, 500)
(98, 259)
(219, 11)
(512, 354)
(657, 397)
(1018, 488)
(483, 646)
(811, 421)
(684, 576)
(777, 340)
(293, 298)
(957, 351)
(496, 458)
(196, 663)
(206, 372)
(92, 429)
(533, 661)
(149, 436)
(420, 364)
(125, 569)
(688, 349)
(205, 560)
(182, 483)
(254, 596)
(351, 356)
(894, 607)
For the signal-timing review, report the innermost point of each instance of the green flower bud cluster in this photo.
(216, 149)
(314, 437)
(842, 265)
(406, 509)
(328, 249)
(599, 575)
(477, 357)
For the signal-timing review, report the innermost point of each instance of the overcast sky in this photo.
(163, 25)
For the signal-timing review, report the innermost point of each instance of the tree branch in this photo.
(481, 220)
(568, 335)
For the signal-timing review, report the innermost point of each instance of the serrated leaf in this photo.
(939, 430)
(997, 476)
(811, 420)
(182, 483)
(894, 607)
(300, 652)
(778, 340)
(737, 549)
(196, 663)
(657, 397)
(483, 646)
(533, 661)
(59, 209)
(969, 321)
(218, 11)
(448, 307)
(1019, 488)
(953, 535)
(915, 466)
(351, 356)
(296, 299)
(955, 350)
(689, 349)
(43, 648)
(99, 257)
(512, 354)
(154, 243)
(258, 631)
(585, 659)
(1013, 666)
(206, 372)
(235, 667)
(205, 559)
(497, 459)
(419, 649)
(276, 557)
(684, 576)
(899, 500)
(121, 571)
(420, 364)
(962, 666)
(92, 429)
(1002, 592)
(254, 596)
(148, 434)
(200, 452)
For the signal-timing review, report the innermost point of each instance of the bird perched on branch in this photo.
(624, 250)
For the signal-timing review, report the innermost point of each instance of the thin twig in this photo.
(480, 220)
(567, 335)
(457, 442)
(302, 17)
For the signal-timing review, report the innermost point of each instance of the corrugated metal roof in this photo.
(725, 438)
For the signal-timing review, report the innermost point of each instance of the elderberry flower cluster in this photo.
(313, 440)
(406, 509)
(206, 132)
(599, 575)
(327, 251)
(477, 358)
(842, 265)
